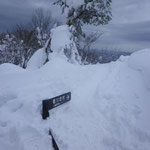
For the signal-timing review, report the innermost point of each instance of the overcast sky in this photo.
(128, 30)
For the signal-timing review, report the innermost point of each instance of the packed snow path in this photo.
(109, 109)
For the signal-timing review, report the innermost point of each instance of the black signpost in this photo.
(55, 146)
(50, 104)
(54, 102)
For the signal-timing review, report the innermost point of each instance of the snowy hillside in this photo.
(109, 109)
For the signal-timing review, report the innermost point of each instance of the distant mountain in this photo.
(103, 56)
(111, 52)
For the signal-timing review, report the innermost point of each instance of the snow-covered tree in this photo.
(80, 12)
(18, 48)
(62, 43)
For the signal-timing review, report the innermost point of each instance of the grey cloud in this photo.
(12, 13)
(133, 32)
(131, 36)
(17, 11)
(128, 29)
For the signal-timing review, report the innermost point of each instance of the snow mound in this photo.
(63, 44)
(109, 109)
(60, 38)
(8, 68)
(37, 60)
(140, 61)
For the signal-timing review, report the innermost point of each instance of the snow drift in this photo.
(7, 68)
(109, 109)
(37, 60)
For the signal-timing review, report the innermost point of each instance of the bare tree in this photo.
(91, 39)
(42, 22)
(26, 42)
(87, 42)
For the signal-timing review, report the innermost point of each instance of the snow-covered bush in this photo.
(9, 52)
(18, 49)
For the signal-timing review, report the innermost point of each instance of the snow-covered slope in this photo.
(109, 109)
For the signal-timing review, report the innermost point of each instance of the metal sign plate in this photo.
(54, 102)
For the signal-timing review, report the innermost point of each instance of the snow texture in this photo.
(7, 68)
(75, 4)
(109, 109)
(37, 60)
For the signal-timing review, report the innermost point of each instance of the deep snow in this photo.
(109, 109)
